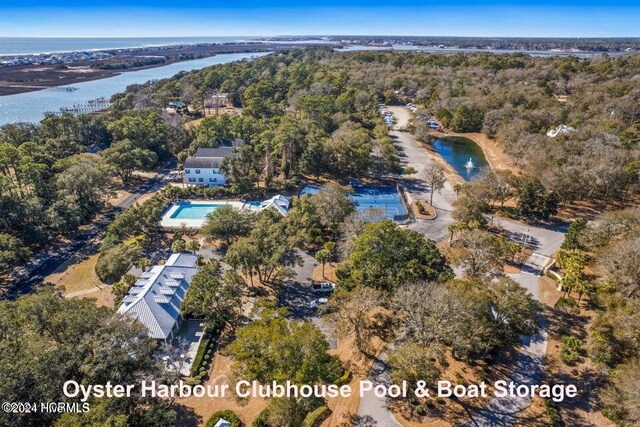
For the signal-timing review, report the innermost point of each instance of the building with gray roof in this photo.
(156, 298)
(204, 167)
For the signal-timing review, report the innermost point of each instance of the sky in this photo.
(172, 18)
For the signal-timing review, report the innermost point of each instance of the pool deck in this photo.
(168, 222)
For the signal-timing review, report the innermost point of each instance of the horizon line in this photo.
(321, 35)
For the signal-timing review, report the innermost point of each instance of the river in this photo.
(30, 106)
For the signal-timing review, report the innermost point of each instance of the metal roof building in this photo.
(155, 299)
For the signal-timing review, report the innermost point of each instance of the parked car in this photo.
(323, 287)
(316, 302)
(173, 176)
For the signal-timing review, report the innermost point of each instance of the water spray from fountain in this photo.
(469, 164)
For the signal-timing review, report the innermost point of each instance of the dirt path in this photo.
(84, 292)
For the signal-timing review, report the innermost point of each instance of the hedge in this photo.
(200, 355)
(553, 413)
(345, 378)
(315, 417)
(261, 420)
(227, 415)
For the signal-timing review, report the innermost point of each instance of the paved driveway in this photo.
(373, 408)
(544, 240)
(296, 295)
(529, 367)
(411, 154)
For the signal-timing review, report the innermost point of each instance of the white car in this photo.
(316, 302)
(323, 287)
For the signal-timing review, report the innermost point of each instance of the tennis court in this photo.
(386, 199)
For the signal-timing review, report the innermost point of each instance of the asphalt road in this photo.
(529, 366)
(47, 261)
(297, 295)
(413, 155)
(544, 240)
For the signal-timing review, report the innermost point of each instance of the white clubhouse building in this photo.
(204, 168)
(156, 298)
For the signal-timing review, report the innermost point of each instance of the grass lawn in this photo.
(76, 277)
(220, 373)
(329, 273)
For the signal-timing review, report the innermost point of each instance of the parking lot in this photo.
(297, 297)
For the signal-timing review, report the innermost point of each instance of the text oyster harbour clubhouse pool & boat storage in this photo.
(246, 389)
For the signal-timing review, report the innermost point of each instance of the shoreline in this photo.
(449, 172)
(33, 78)
(496, 158)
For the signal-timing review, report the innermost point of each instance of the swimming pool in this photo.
(195, 211)
(387, 199)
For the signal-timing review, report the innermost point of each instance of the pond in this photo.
(464, 155)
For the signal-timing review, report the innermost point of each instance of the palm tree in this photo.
(193, 246)
(143, 263)
(325, 254)
(179, 246)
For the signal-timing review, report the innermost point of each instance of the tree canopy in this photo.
(384, 256)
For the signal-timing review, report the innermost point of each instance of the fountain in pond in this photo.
(469, 164)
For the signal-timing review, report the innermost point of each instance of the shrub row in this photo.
(345, 378)
(553, 413)
(203, 356)
(315, 417)
(261, 420)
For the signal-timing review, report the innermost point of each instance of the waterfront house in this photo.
(204, 168)
(156, 298)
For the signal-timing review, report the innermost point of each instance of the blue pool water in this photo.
(195, 211)
(367, 197)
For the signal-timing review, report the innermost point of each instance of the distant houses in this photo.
(204, 168)
(156, 298)
(560, 130)
(177, 107)
(215, 103)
